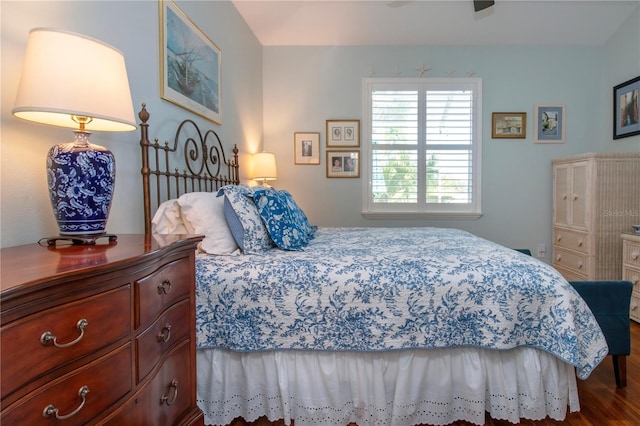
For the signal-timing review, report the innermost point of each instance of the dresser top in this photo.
(601, 155)
(30, 264)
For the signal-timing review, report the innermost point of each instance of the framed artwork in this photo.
(189, 64)
(509, 125)
(343, 164)
(626, 104)
(549, 123)
(343, 133)
(306, 147)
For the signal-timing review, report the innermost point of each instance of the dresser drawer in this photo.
(106, 380)
(634, 309)
(172, 327)
(633, 275)
(572, 240)
(631, 253)
(155, 292)
(570, 260)
(24, 357)
(166, 398)
(570, 275)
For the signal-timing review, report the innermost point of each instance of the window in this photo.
(422, 147)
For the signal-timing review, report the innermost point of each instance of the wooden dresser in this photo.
(596, 197)
(101, 334)
(631, 270)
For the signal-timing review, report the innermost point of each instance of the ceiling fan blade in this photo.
(479, 5)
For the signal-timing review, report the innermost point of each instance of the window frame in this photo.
(372, 210)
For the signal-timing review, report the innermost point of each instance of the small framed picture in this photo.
(343, 164)
(626, 107)
(509, 125)
(550, 123)
(343, 133)
(306, 148)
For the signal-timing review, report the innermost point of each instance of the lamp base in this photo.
(81, 178)
(77, 240)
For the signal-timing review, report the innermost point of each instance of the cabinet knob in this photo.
(165, 287)
(50, 410)
(579, 265)
(580, 242)
(165, 399)
(634, 255)
(165, 334)
(48, 338)
(575, 197)
(558, 258)
(564, 196)
(559, 237)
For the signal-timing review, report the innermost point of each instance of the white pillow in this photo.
(205, 213)
(168, 219)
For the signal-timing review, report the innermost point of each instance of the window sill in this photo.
(426, 215)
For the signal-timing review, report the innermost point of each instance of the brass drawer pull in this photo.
(165, 334)
(165, 399)
(165, 287)
(51, 410)
(48, 337)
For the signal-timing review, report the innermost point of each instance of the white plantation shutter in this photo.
(421, 146)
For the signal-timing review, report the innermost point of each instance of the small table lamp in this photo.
(71, 80)
(264, 167)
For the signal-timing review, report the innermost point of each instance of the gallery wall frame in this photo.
(190, 64)
(306, 148)
(626, 109)
(343, 133)
(509, 125)
(550, 123)
(343, 164)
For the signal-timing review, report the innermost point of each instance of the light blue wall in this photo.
(304, 86)
(133, 28)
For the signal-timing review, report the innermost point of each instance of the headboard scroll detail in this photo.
(202, 155)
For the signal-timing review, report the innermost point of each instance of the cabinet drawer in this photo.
(107, 380)
(633, 275)
(631, 253)
(570, 275)
(572, 240)
(172, 327)
(167, 396)
(24, 357)
(161, 289)
(634, 309)
(570, 260)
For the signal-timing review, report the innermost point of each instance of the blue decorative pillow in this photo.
(244, 221)
(286, 223)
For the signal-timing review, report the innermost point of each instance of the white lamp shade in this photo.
(264, 166)
(68, 74)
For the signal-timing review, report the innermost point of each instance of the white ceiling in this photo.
(430, 22)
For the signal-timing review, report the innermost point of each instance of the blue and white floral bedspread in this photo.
(382, 289)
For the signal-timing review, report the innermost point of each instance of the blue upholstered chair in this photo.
(609, 301)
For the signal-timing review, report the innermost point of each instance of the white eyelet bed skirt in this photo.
(393, 388)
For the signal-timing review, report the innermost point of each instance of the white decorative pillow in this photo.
(243, 219)
(204, 212)
(168, 219)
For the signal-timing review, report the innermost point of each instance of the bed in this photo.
(373, 326)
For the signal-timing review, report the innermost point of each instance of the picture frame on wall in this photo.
(626, 109)
(549, 123)
(306, 148)
(343, 164)
(189, 64)
(509, 125)
(343, 133)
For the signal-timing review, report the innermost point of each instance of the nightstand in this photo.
(100, 334)
(631, 270)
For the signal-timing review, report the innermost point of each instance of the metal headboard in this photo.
(206, 167)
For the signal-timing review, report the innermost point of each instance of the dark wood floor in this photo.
(601, 403)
